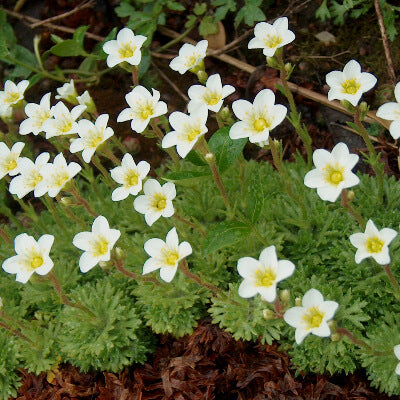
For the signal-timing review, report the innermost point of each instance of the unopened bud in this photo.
(210, 157)
(332, 326)
(288, 67)
(348, 106)
(271, 62)
(202, 75)
(284, 295)
(350, 195)
(67, 201)
(103, 264)
(119, 253)
(335, 337)
(298, 301)
(268, 314)
(225, 113)
(364, 108)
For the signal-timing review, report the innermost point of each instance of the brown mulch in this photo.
(207, 365)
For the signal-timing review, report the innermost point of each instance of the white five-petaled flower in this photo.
(257, 119)
(32, 256)
(68, 92)
(37, 114)
(350, 84)
(143, 106)
(261, 276)
(333, 172)
(56, 175)
(373, 243)
(130, 176)
(97, 244)
(63, 121)
(211, 95)
(12, 93)
(9, 158)
(165, 255)
(156, 201)
(30, 176)
(125, 48)
(391, 112)
(187, 130)
(271, 37)
(396, 351)
(312, 317)
(91, 136)
(190, 57)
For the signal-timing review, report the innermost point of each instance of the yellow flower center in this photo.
(60, 178)
(126, 50)
(350, 86)
(272, 41)
(334, 174)
(313, 317)
(94, 139)
(260, 124)
(265, 277)
(131, 178)
(40, 118)
(65, 125)
(211, 98)
(12, 97)
(191, 61)
(35, 178)
(100, 247)
(36, 262)
(146, 111)
(374, 245)
(192, 133)
(11, 164)
(170, 257)
(159, 201)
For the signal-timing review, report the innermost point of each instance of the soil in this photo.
(209, 364)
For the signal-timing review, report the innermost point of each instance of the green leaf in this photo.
(191, 21)
(323, 12)
(195, 158)
(3, 41)
(208, 26)
(255, 196)
(251, 13)
(179, 176)
(68, 48)
(225, 234)
(200, 9)
(174, 6)
(225, 149)
(124, 10)
(79, 34)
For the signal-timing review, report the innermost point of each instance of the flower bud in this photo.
(268, 314)
(67, 201)
(288, 67)
(202, 75)
(119, 253)
(364, 108)
(210, 157)
(350, 195)
(103, 264)
(225, 113)
(271, 62)
(332, 326)
(298, 301)
(348, 106)
(335, 337)
(284, 295)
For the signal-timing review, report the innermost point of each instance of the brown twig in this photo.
(79, 7)
(385, 40)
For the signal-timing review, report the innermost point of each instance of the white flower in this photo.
(56, 175)
(125, 48)
(211, 95)
(271, 37)
(30, 176)
(156, 201)
(350, 84)
(165, 255)
(97, 244)
(9, 158)
(261, 276)
(391, 112)
(396, 350)
(32, 256)
(312, 317)
(37, 114)
(67, 92)
(373, 243)
(190, 57)
(91, 136)
(333, 172)
(63, 121)
(6, 114)
(257, 119)
(142, 107)
(86, 100)
(130, 176)
(188, 130)
(12, 93)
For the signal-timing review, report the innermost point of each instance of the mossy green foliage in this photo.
(127, 313)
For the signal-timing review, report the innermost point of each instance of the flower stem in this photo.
(74, 191)
(69, 213)
(189, 223)
(5, 236)
(373, 159)
(158, 132)
(48, 202)
(295, 116)
(185, 270)
(15, 332)
(97, 163)
(346, 203)
(135, 75)
(119, 265)
(393, 281)
(110, 155)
